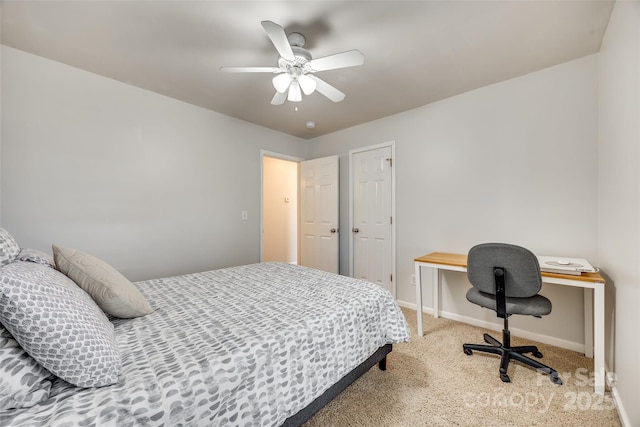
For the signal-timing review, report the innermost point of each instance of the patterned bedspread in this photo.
(248, 345)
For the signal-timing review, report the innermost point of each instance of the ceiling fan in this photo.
(296, 69)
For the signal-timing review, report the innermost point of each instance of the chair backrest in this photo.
(522, 271)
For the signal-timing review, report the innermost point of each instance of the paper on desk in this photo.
(563, 265)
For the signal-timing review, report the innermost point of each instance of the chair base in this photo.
(507, 353)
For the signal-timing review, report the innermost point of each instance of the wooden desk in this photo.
(593, 302)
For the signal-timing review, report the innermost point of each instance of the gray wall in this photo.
(152, 185)
(515, 161)
(619, 197)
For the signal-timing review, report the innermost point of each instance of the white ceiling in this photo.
(416, 52)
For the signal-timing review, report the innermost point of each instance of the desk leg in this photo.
(418, 298)
(436, 293)
(588, 322)
(598, 338)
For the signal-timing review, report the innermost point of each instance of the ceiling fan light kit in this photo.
(296, 67)
(281, 82)
(294, 92)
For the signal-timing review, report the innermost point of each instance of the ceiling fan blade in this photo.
(279, 98)
(279, 39)
(327, 90)
(250, 69)
(350, 58)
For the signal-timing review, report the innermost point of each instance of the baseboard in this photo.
(622, 413)
(412, 306)
(546, 339)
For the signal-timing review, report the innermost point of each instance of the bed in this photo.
(265, 344)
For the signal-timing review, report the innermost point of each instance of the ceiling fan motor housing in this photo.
(296, 39)
(299, 66)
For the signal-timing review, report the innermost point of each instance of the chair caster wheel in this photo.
(556, 379)
(467, 351)
(537, 354)
(505, 378)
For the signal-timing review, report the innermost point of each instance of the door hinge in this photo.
(390, 220)
(391, 278)
(390, 160)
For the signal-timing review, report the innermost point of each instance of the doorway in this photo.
(279, 216)
(299, 211)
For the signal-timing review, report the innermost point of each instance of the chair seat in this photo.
(536, 305)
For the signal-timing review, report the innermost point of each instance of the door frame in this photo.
(273, 154)
(391, 144)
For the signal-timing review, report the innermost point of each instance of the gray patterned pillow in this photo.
(9, 248)
(34, 255)
(58, 324)
(23, 382)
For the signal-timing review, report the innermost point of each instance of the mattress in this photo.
(248, 345)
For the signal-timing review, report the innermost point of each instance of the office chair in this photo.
(506, 279)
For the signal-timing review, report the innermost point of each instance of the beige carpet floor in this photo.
(429, 381)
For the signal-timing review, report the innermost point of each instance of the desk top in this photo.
(460, 260)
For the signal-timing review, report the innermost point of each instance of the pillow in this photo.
(9, 248)
(23, 382)
(58, 324)
(113, 292)
(34, 255)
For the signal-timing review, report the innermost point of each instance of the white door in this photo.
(319, 241)
(372, 216)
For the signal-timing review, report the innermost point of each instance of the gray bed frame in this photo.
(305, 414)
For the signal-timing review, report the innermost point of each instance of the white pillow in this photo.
(113, 292)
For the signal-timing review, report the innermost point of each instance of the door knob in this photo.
(333, 230)
(355, 229)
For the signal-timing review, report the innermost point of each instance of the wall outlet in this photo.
(413, 280)
(244, 215)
